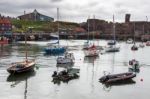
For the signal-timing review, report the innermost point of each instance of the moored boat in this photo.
(20, 67)
(92, 51)
(65, 75)
(112, 48)
(134, 48)
(112, 78)
(54, 49)
(141, 45)
(148, 43)
(3, 40)
(129, 41)
(134, 66)
(112, 42)
(66, 59)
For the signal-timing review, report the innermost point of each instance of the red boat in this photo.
(5, 41)
(148, 43)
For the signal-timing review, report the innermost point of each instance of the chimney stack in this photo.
(24, 12)
(127, 18)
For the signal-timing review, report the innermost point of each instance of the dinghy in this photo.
(112, 78)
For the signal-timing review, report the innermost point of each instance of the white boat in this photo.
(141, 45)
(112, 42)
(112, 48)
(67, 58)
(129, 41)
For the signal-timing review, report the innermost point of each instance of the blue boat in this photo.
(54, 50)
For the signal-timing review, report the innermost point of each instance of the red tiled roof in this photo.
(5, 21)
(78, 29)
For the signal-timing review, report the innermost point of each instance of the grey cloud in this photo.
(56, 0)
(76, 10)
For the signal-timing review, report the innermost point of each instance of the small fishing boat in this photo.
(133, 62)
(66, 59)
(65, 75)
(129, 41)
(134, 48)
(134, 65)
(115, 78)
(148, 43)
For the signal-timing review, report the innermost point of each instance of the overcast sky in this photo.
(79, 10)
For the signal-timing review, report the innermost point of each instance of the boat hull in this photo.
(15, 70)
(54, 50)
(91, 53)
(117, 77)
(113, 49)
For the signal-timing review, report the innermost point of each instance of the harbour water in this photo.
(39, 85)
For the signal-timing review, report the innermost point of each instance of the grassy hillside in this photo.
(36, 26)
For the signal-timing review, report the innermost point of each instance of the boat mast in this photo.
(93, 27)
(114, 32)
(134, 33)
(26, 45)
(58, 23)
(88, 27)
(26, 86)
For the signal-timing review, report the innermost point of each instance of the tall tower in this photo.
(127, 18)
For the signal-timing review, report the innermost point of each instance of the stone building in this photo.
(35, 16)
(123, 30)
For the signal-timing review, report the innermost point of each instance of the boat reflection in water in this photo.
(108, 86)
(20, 77)
(16, 79)
(90, 59)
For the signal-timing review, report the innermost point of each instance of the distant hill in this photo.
(38, 26)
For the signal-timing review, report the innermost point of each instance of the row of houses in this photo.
(5, 27)
(101, 27)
